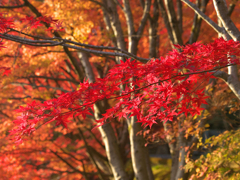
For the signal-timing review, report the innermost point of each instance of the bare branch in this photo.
(204, 17)
(173, 22)
(20, 98)
(67, 72)
(133, 37)
(109, 26)
(98, 3)
(1, 112)
(37, 86)
(230, 9)
(115, 23)
(166, 21)
(84, 57)
(107, 132)
(144, 17)
(13, 7)
(66, 162)
(75, 63)
(90, 153)
(63, 42)
(222, 75)
(129, 17)
(197, 22)
(52, 78)
(232, 30)
(118, 3)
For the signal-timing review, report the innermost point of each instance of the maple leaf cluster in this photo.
(157, 91)
(34, 23)
(7, 24)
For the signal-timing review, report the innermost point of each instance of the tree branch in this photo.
(179, 10)
(90, 154)
(115, 23)
(166, 21)
(204, 17)
(63, 42)
(197, 22)
(13, 7)
(222, 75)
(75, 63)
(173, 22)
(66, 162)
(232, 30)
(144, 18)
(107, 133)
(37, 86)
(51, 78)
(230, 9)
(129, 19)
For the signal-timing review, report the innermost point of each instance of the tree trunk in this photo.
(106, 130)
(112, 151)
(138, 150)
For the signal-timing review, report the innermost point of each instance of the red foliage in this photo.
(159, 83)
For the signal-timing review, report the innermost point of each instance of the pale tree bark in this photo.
(231, 78)
(109, 26)
(172, 143)
(166, 21)
(134, 37)
(178, 144)
(139, 154)
(112, 22)
(177, 36)
(115, 23)
(182, 143)
(174, 28)
(228, 31)
(112, 151)
(204, 17)
(106, 130)
(230, 10)
(132, 43)
(220, 7)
